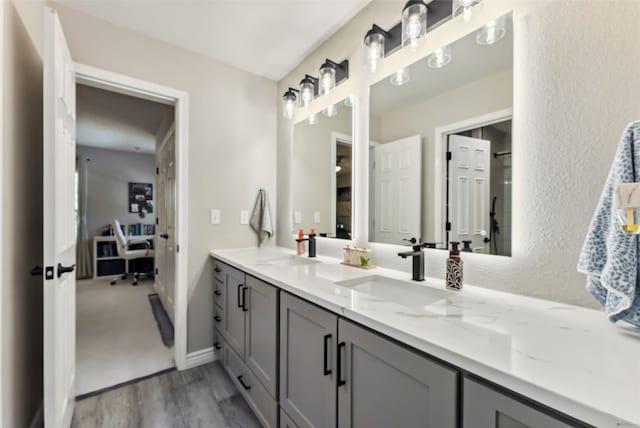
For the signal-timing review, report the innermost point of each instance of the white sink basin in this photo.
(401, 292)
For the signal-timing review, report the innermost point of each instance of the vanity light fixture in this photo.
(492, 32)
(330, 111)
(464, 7)
(400, 77)
(313, 119)
(307, 90)
(289, 98)
(414, 23)
(331, 73)
(440, 57)
(374, 47)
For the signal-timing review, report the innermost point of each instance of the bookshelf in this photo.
(105, 255)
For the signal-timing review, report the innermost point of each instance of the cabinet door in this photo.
(486, 408)
(383, 384)
(235, 320)
(285, 420)
(307, 363)
(261, 343)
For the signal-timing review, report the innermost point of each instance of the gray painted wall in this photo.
(21, 222)
(109, 173)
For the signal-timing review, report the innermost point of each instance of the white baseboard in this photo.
(38, 418)
(198, 358)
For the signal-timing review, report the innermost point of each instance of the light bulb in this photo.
(467, 14)
(414, 23)
(313, 119)
(289, 109)
(464, 7)
(306, 96)
(492, 32)
(327, 79)
(330, 111)
(400, 77)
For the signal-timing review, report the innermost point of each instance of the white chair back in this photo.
(121, 240)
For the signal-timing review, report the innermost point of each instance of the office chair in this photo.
(127, 251)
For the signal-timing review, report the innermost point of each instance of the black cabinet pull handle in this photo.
(341, 346)
(244, 299)
(217, 318)
(240, 304)
(244, 385)
(217, 345)
(327, 339)
(217, 270)
(217, 293)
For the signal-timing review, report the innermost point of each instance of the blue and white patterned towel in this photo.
(609, 257)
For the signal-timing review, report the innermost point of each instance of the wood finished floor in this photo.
(200, 397)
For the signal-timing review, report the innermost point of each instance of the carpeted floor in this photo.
(117, 336)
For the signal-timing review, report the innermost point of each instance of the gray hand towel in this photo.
(261, 218)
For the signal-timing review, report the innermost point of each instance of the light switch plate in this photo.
(297, 217)
(316, 217)
(244, 217)
(215, 216)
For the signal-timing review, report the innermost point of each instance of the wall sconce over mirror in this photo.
(322, 174)
(289, 100)
(440, 147)
(414, 23)
(308, 90)
(332, 73)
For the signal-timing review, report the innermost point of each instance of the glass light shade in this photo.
(440, 57)
(307, 93)
(414, 23)
(374, 51)
(463, 7)
(492, 32)
(330, 111)
(327, 80)
(313, 119)
(400, 77)
(349, 101)
(289, 107)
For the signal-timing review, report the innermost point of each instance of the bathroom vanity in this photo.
(313, 343)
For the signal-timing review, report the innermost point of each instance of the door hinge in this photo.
(449, 156)
(156, 220)
(157, 171)
(156, 271)
(177, 248)
(448, 226)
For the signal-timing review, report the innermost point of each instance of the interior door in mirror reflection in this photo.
(469, 191)
(397, 195)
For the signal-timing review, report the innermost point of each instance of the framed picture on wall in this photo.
(141, 198)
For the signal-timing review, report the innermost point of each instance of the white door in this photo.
(469, 190)
(397, 182)
(166, 231)
(59, 224)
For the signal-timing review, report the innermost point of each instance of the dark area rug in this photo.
(162, 319)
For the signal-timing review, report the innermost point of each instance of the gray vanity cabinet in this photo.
(307, 363)
(285, 420)
(234, 322)
(382, 384)
(261, 341)
(486, 408)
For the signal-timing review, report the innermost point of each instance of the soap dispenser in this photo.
(300, 243)
(454, 268)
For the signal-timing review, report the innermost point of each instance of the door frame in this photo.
(338, 137)
(440, 167)
(114, 82)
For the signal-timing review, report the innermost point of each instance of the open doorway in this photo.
(125, 205)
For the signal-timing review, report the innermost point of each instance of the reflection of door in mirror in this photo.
(343, 195)
(479, 188)
(397, 190)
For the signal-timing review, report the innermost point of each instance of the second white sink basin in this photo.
(401, 292)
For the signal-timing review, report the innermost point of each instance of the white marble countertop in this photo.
(567, 357)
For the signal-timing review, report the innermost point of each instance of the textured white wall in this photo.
(576, 85)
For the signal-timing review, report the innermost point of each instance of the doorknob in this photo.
(164, 235)
(37, 271)
(65, 269)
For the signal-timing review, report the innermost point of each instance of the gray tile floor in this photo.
(200, 397)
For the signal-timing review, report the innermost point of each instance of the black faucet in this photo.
(312, 243)
(418, 257)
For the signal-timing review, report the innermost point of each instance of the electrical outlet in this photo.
(297, 217)
(215, 216)
(316, 217)
(244, 217)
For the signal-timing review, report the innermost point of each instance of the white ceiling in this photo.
(113, 121)
(265, 37)
(469, 62)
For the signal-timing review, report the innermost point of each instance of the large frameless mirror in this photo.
(322, 172)
(440, 146)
